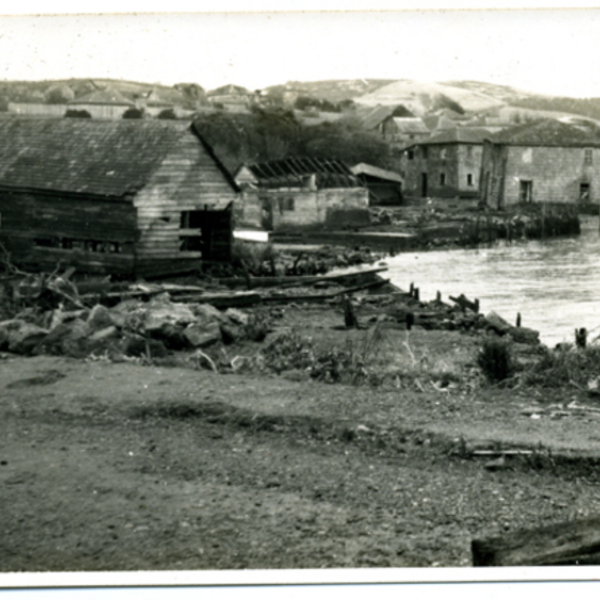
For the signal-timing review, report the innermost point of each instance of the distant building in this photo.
(545, 161)
(446, 165)
(402, 131)
(231, 97)
(300, 192)
(385, 187)
(107, 103)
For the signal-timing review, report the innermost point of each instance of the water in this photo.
(554, 284)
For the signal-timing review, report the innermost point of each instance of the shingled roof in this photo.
(106, 158)
(294, 171)
(548, 132)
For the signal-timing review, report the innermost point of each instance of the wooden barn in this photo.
(135, 197)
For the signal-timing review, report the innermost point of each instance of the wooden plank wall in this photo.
(27, 218)
(187, 180)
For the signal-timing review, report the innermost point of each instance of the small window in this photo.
(587, 156)
(584, 192)
(469, 179)
(442, 178)
(411, 154)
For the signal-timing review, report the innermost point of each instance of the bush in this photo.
(566, 365)
(495, 359)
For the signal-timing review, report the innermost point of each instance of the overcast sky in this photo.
(547, 51)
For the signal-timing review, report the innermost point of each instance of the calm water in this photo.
(554, 284)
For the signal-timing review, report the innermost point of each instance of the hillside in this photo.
(334, 90)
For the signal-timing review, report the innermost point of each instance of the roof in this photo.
(83, 156)
(410, 125)
(108, 96)
(229, 90)
(458, 135)
(373, 171)
(292, 172)
(371, 116)
(548, 132)
(162, 97)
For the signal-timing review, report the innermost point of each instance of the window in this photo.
(442, 178)
(469, 179)
(587, 156)
(286, 204)
(411, 154)
(443, 153)
(525, 191)
(191, 219)
(584, 192)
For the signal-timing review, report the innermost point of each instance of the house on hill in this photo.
(445, 165)
(372, 118)
(544, 161)
(402, 131)
(385, 187)
(107, 103)
(133, 197)
(232, 97)
(295, 193)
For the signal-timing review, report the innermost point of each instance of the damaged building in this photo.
(129, 197)
(301, 192)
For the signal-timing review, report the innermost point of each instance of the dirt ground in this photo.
(121, 466)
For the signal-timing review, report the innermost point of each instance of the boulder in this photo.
(231, 333)
(100, 318)
(200, 335)
(497, 323)
(157, 315)
(21, 337)
(171, 335)
(206, 313)
(524, 335)
(237, 316)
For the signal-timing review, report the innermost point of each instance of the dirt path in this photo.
(118, 466)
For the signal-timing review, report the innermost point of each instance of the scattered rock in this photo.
(201, 335)
(99, 318)
(20, 337)
(497, 323)
(237, 316)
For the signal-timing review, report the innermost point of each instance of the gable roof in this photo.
(410, 125)
(108, 96)
(294, 171)
(373, 171)
(371, 116)
(458, 135)
(547, 132)
(83, 156)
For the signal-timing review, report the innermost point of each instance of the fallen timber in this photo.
(293, 280)
(571, 543)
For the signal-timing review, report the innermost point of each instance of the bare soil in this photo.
(121, 466)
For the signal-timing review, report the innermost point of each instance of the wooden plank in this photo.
(570, 543)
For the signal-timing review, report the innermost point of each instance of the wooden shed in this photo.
(131, 197)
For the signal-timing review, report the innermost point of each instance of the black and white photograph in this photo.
(302, 289)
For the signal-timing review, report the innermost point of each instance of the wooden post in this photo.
(416, 293)
(410, 320)
(349, 316)
(476, 305)
(411, 289)
(438, 297)
(581, 337)
(518, 324)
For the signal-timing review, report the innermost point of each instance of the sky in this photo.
(551, 51)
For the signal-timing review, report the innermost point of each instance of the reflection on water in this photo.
(554, 284)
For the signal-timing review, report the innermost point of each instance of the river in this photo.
(554, 284)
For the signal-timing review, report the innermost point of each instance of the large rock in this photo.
(202, 334)
(206, 313)
(167, 313)
(20, 337)
(237, 316)
(100, 318)
(497, 323)
(524, 335)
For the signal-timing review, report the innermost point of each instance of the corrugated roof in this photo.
(108, 96)
(410, 125)
(107, 158)
(293, 172)
(548, 132)
(373, 171)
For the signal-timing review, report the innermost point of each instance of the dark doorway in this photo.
(525, 191)
(424, 185)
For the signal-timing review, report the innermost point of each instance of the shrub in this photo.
(495, 359)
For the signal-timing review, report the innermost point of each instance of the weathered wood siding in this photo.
(41, 229)
(188, 179)
(556, 174)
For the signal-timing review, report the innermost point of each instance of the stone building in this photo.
(446, 165)
(546, 161)
(297, 193)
